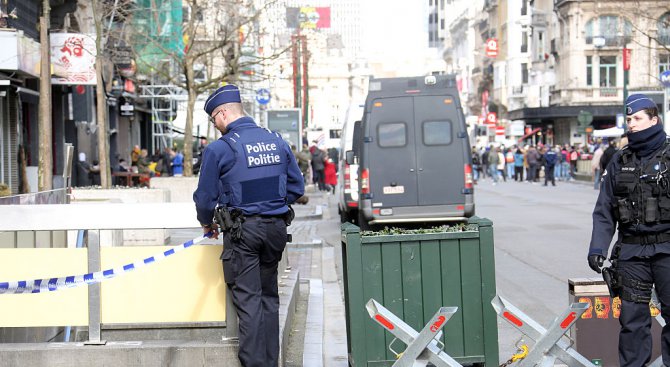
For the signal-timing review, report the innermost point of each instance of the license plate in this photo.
(394, 190)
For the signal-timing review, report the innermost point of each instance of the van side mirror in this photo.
(350, 157)
(358, 133)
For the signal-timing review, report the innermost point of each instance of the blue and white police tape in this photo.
(54, 284)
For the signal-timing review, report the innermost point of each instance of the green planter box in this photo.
(412, 276)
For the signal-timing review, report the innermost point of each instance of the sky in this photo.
(395, 26)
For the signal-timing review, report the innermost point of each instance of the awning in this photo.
(535, 130)
(612, 132)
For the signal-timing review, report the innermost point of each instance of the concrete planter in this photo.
(130, 237)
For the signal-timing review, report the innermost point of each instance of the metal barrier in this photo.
(103, 217)
(57, 196)
(422, 347)
(548, 344)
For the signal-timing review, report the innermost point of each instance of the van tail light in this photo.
(365, 181)
(347, 177)
(468, 176)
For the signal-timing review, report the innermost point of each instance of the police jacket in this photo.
(550, 158)
(635, 199)
(249, 168)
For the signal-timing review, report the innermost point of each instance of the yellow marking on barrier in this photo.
(185, 287)
(60, 308)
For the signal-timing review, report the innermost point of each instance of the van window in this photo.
(392, 134)
(437, 132)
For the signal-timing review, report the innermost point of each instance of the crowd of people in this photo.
(169, 162)
(530, 163)
(318, 165)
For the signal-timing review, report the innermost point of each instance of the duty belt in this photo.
(646, 239)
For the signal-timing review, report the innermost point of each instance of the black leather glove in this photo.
(596, 262)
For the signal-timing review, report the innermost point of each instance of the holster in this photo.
(613, 281)
(289, 216)
(230, 220)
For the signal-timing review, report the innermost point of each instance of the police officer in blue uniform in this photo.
(635, 199)
(249, 176)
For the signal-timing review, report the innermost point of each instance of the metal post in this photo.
(232, 324)
(421, 347)
(626, 66)
(548, 346)
(666, 106)
(94, 304)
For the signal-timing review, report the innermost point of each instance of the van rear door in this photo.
(392, 156)
(439, 152)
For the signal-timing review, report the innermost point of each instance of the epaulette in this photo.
(272, 132)
(626, 153)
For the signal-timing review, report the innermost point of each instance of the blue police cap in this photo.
(229, 93)
(638, 102)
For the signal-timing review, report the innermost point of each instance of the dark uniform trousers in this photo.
(635, 337)
(250, 270)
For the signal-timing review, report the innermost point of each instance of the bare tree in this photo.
(99, 14)
(214, 33)
(45, 166)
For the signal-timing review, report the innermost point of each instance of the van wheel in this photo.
(344, 217)
(363, 223)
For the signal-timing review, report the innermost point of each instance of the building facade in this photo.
(559, 58)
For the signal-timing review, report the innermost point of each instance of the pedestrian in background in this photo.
(633, 197)
(574, 157)
(476, 165)
(251, 173)
(501, 164)
(493, 163)
(518, 165)
(595, 166)
(303, 161)
(318, 159)
(565, 163)
(533, 158)
(178, 164)
(329, 175)
(509, 161)
(485, 161)
(549, 164)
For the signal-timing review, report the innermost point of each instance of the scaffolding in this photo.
(164, 102)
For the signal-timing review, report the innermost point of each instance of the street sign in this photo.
(665, 78)
(626, 58)
(286, 122)
(263, 96)
(492, 47)
(491, 118)
(620, 119)
(585, 117)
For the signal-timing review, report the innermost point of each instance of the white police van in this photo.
(413, 153)
(347, 180)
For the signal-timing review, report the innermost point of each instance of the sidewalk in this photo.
(316, 252)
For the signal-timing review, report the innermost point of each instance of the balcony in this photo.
(577, 96)
(20, 53)
(609, 92)
(517, 91)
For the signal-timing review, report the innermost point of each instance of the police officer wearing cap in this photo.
(251, 171)
(635, 200)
